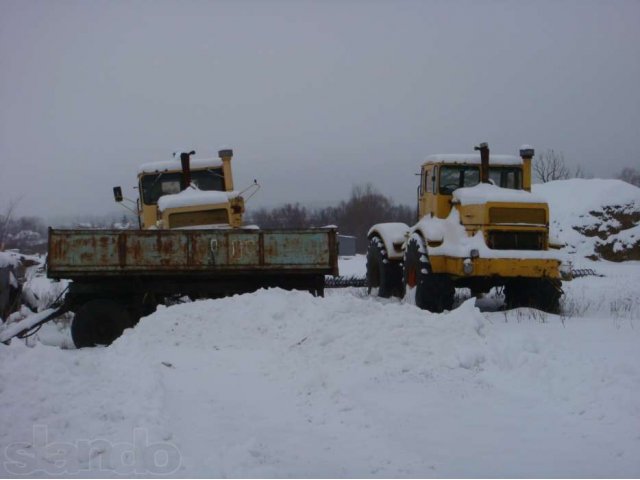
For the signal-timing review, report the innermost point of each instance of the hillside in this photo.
(595, 218)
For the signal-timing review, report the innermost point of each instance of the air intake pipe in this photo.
(225, 156)
(526, 152)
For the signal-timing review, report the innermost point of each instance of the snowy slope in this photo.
(279, 384)
(596, 218)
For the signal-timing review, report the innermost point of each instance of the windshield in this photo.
(459, 176)
(452, 177)
(155, 185)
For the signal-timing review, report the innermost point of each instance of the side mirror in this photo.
(117, 194)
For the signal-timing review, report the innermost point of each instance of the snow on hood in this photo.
(456, 242)
(192, 197)
(486, 192)
(173, 165)
(474, 159)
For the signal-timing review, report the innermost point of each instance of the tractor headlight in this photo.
(467, 266)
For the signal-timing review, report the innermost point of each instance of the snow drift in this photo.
(596, 218)
(279, 384)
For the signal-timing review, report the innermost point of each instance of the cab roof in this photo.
(175, 165)
(473, 159)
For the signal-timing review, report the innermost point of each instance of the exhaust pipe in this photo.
(186, 168)
(484, 162)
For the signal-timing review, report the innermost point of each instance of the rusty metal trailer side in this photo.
(78, 254)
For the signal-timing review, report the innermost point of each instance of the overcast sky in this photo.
(313, 96)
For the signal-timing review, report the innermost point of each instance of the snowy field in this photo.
(281, 384)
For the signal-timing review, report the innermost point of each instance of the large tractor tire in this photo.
(99, 322)
(384, 276)
(541, 293)
(434, 292)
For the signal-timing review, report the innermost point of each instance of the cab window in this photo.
(506, 177)
(153, 186)
(453, 177)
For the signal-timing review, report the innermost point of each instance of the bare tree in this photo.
(551, 166)
(630, 175)
(6, 218)
(365, 207)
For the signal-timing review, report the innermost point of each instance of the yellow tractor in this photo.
(479, 226)
(188, 193)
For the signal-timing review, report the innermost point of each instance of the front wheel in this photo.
(383, 275)
(99, 322)
(433, 292)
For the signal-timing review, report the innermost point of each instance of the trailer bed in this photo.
(81, 254)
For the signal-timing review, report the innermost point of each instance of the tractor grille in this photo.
(193, 219)
(516, 240)
(536, 216)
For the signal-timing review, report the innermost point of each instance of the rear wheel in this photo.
(541, 293)
(99, 322)
(433, 292)
(383, 274)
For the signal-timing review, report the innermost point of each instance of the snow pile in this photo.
(456, 242)
(280, 384)
(596, 218)
(9, 259)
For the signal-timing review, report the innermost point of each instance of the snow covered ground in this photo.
(281, 384)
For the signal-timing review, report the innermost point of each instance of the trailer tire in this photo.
(99, 322)
(383, 273)
(433, 292)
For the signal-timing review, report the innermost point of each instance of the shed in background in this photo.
(346, 245)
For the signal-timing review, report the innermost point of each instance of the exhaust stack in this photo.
(186, 168)
(484, 162)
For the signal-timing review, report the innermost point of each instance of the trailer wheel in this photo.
(383, 274)
(434, 292)
(541, 293)
(99, 322)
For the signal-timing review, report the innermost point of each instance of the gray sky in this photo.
(313, 96)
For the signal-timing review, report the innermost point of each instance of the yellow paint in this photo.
(500, 267)
(194, 216)
(523, 221)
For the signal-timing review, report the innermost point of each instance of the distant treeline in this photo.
(354, 217)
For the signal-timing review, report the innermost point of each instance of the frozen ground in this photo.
(281, 384)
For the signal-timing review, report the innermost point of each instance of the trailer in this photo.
(192, 243)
